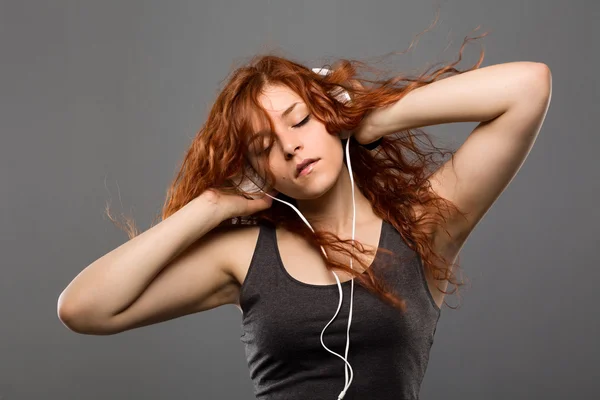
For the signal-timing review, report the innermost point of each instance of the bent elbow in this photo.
(81, 322)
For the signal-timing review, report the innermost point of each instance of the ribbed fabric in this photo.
(282, 320)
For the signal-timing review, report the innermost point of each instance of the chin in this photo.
(315, 189)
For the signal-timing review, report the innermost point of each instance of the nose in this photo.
(290, 147)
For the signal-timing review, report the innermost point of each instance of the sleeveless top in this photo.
(282, 320)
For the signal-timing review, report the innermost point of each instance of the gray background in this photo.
(100, 99)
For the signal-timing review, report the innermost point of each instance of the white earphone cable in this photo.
(345, 357)
(343, 96)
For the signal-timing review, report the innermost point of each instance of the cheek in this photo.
(280, 172)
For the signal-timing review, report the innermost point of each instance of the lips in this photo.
(305, 163)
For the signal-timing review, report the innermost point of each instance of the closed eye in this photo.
(304, 121)
(259, 149)
(263, 151)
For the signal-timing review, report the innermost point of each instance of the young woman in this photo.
(290, 265)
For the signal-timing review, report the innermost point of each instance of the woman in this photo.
(285, 263)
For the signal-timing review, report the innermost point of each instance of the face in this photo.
(299, 136)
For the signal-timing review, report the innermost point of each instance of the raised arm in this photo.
(180, 266)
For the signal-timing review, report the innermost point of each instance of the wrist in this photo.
(367, 134)
(207, 208)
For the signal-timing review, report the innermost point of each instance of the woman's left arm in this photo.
(509, 100)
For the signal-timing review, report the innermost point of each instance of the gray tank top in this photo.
(282, 320)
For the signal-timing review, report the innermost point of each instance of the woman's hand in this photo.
(236, 205)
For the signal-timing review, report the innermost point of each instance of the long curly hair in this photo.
(393, 177)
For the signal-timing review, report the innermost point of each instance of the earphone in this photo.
(252, 182)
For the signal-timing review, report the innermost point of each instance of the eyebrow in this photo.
(289, 110)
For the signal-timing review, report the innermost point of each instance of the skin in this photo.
(510, 102)
(324, 196)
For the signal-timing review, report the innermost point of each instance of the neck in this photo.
(333, 210)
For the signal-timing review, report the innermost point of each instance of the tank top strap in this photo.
(261, 276)
(266, 246)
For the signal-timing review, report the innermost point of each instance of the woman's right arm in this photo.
(175, 268)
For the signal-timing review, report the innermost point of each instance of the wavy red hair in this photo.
(393, 177)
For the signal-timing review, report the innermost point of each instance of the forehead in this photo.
(275, 99)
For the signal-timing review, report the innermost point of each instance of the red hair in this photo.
(393, 177)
